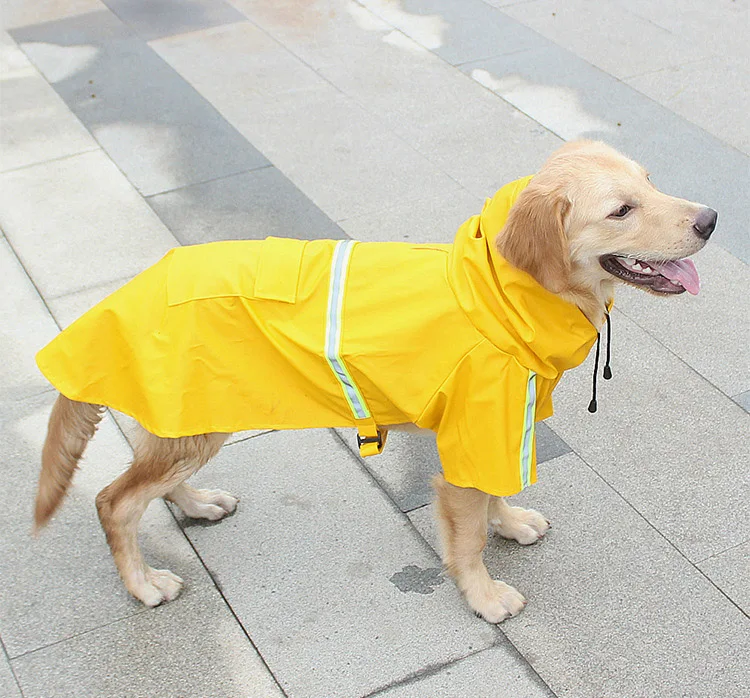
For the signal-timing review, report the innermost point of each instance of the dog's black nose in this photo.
(705, 222)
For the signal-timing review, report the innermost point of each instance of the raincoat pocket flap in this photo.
(278, 270)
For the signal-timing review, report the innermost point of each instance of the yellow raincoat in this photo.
(290, 334)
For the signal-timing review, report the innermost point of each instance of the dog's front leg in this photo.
(462, 515)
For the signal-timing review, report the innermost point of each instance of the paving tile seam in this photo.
(679, 358)
(74, 636)
(247, 438)
(405, 519)
(220, 591)
(455, 66)
(92, 287)
(673, 545)
(188, 85)
(420, 674)
(214, 179)
(205, 567)
(133, 29)
(671, 66)
(434, 553)
(4, 652)
(721, 552)
(362, 106)
(570, 53)
(32, 282)
(20, 168)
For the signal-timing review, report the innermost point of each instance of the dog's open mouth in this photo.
(673, 276)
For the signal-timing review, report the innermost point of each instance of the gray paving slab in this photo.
(434, 217)
(406, 466)
(248, 206)
(743, 400)
(154, 20)
(161, 133)
(25, 327)
(189, 647)
(614, 610)
(699, 21)
(404, 469)
(339, 154)
(683, 89)
(457, 32)
(36, 125)
(615, 39)
(77, 223)
(71, 306)
(306, 564)
(64, 582)
(705, 330)
(19, 13)
(730, 571)
(8, 686)
(668, 441)
(477, 139)
(574, 99)
(492, 673)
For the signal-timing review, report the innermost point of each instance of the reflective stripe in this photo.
(529, 424)
(339, 268)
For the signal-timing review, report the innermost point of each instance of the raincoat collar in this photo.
(545, 333)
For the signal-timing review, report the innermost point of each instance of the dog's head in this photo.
(591, 217)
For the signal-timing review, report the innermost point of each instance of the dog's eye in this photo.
(621, 212)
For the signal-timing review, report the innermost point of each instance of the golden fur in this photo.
(558, 230)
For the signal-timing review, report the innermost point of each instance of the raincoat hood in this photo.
(544, 333)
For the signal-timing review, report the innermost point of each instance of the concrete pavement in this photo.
(130, 127)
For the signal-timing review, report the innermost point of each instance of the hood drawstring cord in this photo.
(607, 374)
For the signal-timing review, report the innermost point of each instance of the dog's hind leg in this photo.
(462, 515)
(159, 466)
(202, 504)
(525, 526)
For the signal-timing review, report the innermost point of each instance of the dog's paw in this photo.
(158, 586)
(209, 504)
(496, 602)
(526, 526)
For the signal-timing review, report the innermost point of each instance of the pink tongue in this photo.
(682, 271)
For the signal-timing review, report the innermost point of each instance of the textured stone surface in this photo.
(676, 446)
(606, 593)
(8, 685)
(54, 211)
(248, 206)
(611, 29)
(158, 130)
(683, 88)
(172, 16)
(36, 124)
(730, 571)
(25, 327)
(705, 331)
(492, 673)
(409, 461)
(307, 564)
(64, 582)
(189, 647)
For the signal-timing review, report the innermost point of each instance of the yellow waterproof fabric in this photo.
(230, 336)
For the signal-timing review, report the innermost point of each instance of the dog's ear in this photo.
(534, 239)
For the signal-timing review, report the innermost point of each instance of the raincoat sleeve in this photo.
(484, 415)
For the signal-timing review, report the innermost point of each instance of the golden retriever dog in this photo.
(588, 220)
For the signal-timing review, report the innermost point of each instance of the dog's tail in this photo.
(71, 426)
